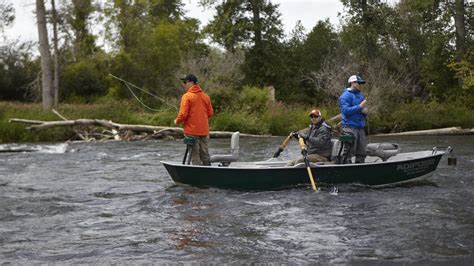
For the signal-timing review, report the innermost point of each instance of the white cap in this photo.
(352, 78)
(355, 78)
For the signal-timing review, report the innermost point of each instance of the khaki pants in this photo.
(312, 158)
(200, 154)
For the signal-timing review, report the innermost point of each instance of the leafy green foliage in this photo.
(78, 14)
(255, 25)
(239, 121)
(86, 79)
(17, 70)
(7, 15)
(283, 119)
(253, 100)
(465, 71)
(417, 116)
(223, 99)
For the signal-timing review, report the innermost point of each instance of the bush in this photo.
(284, 119)
(223, 99)
(253, 100)
(419, 116)
(17, 70)
(164, 118)
(85, 80)
(239, 121)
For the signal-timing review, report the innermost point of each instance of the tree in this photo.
(56, 54)
(46, 76)
(230, 26)
(78, 16)
(256, 26)
(366, 22)
(18, 70)
(320, 43)
(7, 15)
(424, 31)
(128, 22)
(459, 22)
(152, 38)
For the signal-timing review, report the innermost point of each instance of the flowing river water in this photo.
(115, 203)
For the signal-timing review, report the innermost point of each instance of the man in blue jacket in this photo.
(353, 107)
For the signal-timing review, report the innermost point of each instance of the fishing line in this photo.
(368, 128)
(367, 119)
(149, 93)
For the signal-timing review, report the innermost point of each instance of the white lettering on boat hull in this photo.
(416, 167)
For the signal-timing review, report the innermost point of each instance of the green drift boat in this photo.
(382, 167)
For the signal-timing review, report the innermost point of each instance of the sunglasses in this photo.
(314, 116)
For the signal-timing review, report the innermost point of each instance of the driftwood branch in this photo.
(25, 121)
(78, 133)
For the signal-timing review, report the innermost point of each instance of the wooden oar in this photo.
(304, 152)
(282, 146)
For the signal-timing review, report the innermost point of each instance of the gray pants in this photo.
(357, 148)
(200, 155)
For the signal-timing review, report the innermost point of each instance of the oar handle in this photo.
(285, 142)
(282, 146)
(302, 147)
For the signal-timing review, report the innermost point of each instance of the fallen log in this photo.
(117, 131)
(78, 133)
(335, 119)
(433, 132)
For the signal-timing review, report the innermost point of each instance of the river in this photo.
(84, 203)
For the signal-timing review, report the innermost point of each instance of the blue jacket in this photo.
(351, 112)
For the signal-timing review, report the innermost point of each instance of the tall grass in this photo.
(248, 111)
(120, 112)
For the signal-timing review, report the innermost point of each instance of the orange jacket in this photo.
(194, 111)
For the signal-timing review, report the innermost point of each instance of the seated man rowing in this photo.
(318, 140)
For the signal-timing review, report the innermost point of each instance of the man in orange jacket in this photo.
(194, 113)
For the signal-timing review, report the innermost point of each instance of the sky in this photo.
(308, 11)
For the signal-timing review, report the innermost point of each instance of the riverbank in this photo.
(264, 119)
(432, 132)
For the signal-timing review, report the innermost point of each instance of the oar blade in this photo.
(277, 153)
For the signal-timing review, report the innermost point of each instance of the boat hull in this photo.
(261, 177)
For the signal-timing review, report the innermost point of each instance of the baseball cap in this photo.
(356, 78)
(190, 77)
(315, 112)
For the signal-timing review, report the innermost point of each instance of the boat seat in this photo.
(226, 159)
(382, 150)
(335, 147)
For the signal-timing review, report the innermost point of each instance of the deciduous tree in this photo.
(46, 76)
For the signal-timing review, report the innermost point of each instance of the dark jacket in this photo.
(351, 112)
(318, 139)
